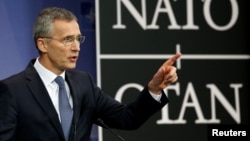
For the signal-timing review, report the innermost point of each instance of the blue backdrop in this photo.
(17, 46)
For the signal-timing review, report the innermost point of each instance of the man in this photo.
(30, 103)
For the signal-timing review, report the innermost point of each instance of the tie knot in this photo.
(60, 81)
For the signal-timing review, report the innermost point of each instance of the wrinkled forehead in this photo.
(62, 27)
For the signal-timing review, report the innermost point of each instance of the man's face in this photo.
(62, 48)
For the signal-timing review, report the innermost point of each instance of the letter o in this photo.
(234, 16)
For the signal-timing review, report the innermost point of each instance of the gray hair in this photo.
(44, 21)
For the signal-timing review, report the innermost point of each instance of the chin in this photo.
(70, 67)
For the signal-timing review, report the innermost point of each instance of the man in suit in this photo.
(30, 103)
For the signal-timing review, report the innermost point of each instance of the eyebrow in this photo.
(71, 36)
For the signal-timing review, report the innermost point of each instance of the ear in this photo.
(42, 45)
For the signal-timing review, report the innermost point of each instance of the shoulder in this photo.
(77, 75)
(22, 77)
(14, 78)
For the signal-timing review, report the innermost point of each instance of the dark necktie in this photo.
(66, 112)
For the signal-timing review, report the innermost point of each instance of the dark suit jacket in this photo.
(27, 112)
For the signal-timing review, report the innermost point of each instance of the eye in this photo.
(68, 39)
(80, 39)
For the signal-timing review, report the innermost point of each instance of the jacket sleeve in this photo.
(127, 116)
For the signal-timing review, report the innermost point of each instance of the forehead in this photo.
(65, 28)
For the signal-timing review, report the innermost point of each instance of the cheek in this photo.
(59, 54)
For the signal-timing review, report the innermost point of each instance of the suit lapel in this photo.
(74, 90)
(40, 93)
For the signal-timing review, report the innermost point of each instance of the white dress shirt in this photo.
(48, 78)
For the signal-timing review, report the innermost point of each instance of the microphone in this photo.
(75, 130)
(101, 122)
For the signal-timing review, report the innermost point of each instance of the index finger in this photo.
(173, 59)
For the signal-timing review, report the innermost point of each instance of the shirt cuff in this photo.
(157, 97)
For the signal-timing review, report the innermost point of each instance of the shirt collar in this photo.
(46, 75)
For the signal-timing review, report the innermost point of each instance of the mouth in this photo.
(73, 58)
